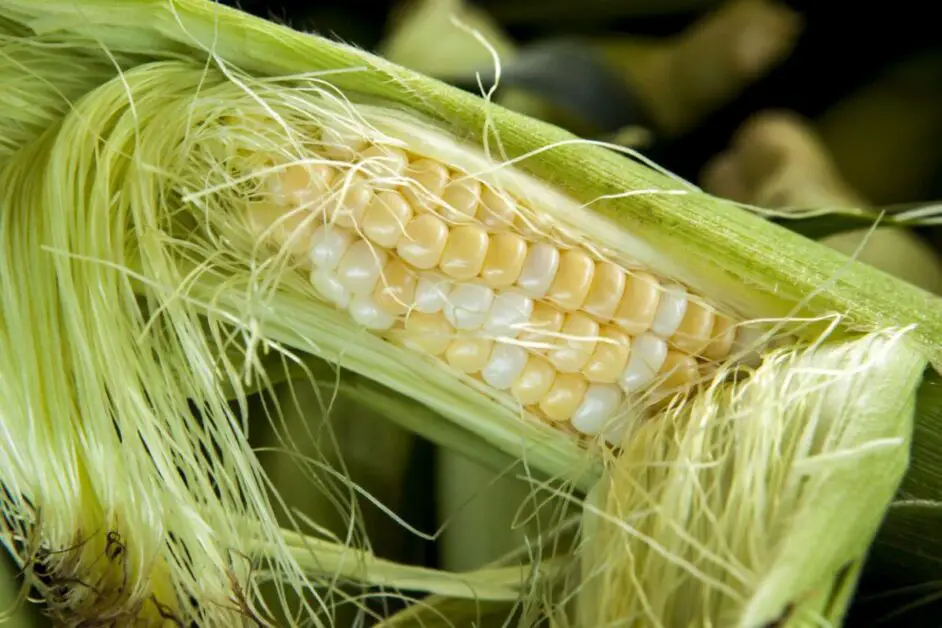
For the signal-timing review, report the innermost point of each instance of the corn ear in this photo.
(141, 278)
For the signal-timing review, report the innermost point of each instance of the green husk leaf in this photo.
(40, 84)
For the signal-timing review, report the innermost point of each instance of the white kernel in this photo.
(467, 305)
(329, 287)
(509, 314)
(598, 406)
(431, 294)
(670, 310)
(329, 243)
(539, 270)
(364, 310)
(647, 355)
(361, 267)
(504, 366)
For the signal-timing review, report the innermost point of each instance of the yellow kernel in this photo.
(355, 195)
(721, 338)
(608, 286)
(301, 185)
(423, 241)
(576, 344)
(292, 228)
(427, 184)
(573, 280)
(385, 218)
(678, 372)
(610, 357)
(544, 326)
(496, 210)
(638, 304)
(534, 382)
(464, 251)
(469, 355)
(461, 198)
(384, 165)
(429, 333)
(504, 260)
(695, 330)
(395, 291)
(564, 396)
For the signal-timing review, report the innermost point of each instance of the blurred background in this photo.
(785, 105)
